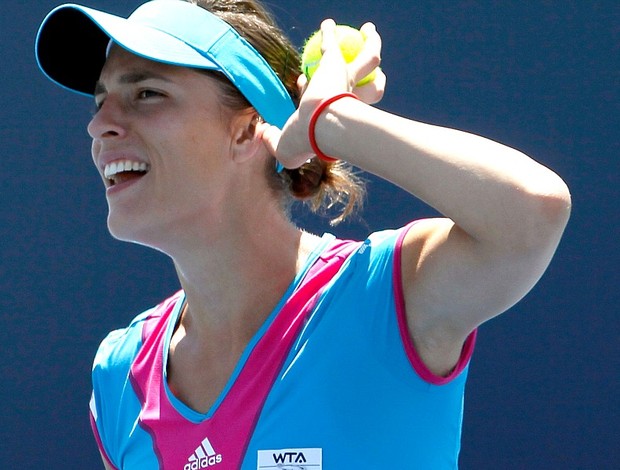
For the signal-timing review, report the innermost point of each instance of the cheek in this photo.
(209, 144)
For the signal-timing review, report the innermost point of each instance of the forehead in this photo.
(119, 60)
(122, 67)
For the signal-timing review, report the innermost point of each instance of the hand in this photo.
(333, 76)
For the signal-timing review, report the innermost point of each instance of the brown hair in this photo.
(322, 185)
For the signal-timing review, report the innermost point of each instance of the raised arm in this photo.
(505, 213)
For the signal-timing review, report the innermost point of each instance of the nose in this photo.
(108, 122)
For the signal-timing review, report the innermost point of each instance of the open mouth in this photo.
(124, 170)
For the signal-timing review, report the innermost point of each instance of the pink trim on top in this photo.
(412, 354)
(102, 451)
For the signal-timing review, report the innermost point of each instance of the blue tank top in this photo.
(330, 381)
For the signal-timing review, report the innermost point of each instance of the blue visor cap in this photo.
(72, 41)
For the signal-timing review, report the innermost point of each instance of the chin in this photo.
(125, 230)
(131, 232)
(121, 233)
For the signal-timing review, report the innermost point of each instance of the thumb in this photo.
(270, 136)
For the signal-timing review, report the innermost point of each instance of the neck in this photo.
(233, 283)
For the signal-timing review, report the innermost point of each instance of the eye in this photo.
(146, 94)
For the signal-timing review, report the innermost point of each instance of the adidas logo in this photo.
(203, 457)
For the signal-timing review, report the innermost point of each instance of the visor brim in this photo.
(72, 41)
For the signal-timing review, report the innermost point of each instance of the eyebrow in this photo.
(131, 78)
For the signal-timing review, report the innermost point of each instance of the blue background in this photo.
(541, 76)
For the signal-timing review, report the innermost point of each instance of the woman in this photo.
(285, 349)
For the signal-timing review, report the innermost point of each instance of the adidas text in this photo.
(205, 462)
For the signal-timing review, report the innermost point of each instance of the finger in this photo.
(331, 76)
(369, 57)
(302, 84)
(372, 92)
(373, 43)
(328, 35)
(332, 56)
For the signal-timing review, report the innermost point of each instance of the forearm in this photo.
(491, 191)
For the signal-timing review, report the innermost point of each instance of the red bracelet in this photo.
(315, 116)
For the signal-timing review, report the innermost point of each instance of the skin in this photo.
(505, 213)
(203, 164)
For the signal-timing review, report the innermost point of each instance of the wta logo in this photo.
(290, 459)
(203, 457)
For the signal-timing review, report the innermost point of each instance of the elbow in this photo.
(556, 204)
(550, 208)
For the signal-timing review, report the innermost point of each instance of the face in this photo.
(162, 143)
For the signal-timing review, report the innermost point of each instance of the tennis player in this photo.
(286, 349)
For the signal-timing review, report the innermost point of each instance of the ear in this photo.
(245, 142)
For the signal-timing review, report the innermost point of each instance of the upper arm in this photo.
(452, 283)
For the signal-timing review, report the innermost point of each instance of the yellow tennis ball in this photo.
(351, 42)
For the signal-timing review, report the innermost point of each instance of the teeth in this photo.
(115, 168)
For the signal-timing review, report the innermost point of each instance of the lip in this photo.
(118, 187)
